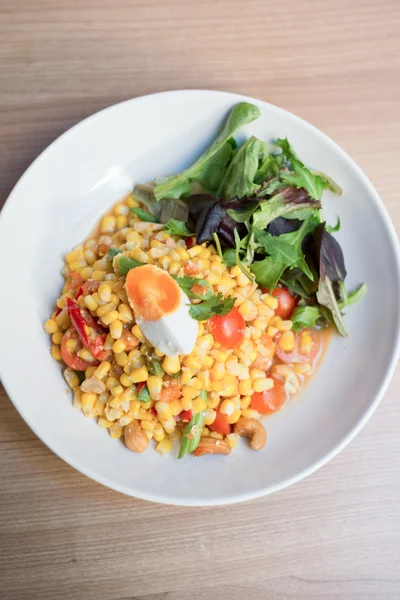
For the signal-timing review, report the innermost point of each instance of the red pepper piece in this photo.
(74, 313)
(184, 415)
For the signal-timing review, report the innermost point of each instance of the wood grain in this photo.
(335, 536)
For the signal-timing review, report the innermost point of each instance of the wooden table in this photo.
(335, 536)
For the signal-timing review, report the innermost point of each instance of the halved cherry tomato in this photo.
(73, 360)
(229, 329)
(265, 353)
(221, 424)
(286, 302)
(295, 356)
(269, 401)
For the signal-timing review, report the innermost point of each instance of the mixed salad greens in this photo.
(261, 207)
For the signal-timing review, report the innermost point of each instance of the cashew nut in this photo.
(209, 445)
(292, 382)
(135, 438)
(93, 385)
(253, 429)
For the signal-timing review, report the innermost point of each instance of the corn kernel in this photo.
(272, 331)
(164, 411)
(87, 401)
(198, 405)
(218, 371)
(116, 329)
(56, 352)
(138, 333)
(231, 363)
(176, 407)
(286, 341)
(71, 378)
(57, 337)
(154, 385)
(105, 292)
(115, 433)
(302, 368)
(158, 432)
(171, 364)
(121, 358)
(228, 386)
(103, 310)
(234, 417)
(107, 224)
(147, 425)
(189, 392)
(89, 372)
(111, 382)
(125, 380)
(262, 385)
(118, 346)
(227, 407)
(102, 369)
(245, 388)
(186, 403)
(252, 414)
(76, 402)
(215, 435)
(204, 377)
(284, 325)
(220, 355)
(306, 342)
(186, 376)
(139, 375)
(104, 423)
(209, 416)
(50, 326)
(257, 374)
(232, 439)
(109, 317)
(208, 361)
(174, 267)
(164, 446)
(125, 313)
(245, 402)
(99, 275)
(138, 254)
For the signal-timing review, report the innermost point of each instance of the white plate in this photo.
(58, 201)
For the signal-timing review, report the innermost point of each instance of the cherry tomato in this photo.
(269, 401)
(286, 302)
(295, 356)
(73, 360)
(221, 424)
(229, 329)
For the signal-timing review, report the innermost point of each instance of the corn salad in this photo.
(138, 392)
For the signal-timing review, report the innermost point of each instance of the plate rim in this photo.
(383, 385)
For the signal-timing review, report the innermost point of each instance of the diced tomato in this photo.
(184, 416)
(269, 401)
(286, 302)
(73, 360)
(74, 282)
(265, 353)
(190, 241)
(221, 424)
(190, 268)
(170, 391)
(229, 329)
(296, 356)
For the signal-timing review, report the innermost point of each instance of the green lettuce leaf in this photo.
(239, 177)
(175, 186)
(176, 227)
(267, 272)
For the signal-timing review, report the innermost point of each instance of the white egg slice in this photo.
(174, 333)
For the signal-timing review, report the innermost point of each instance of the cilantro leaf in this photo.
(216, 305)
(200, 289)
